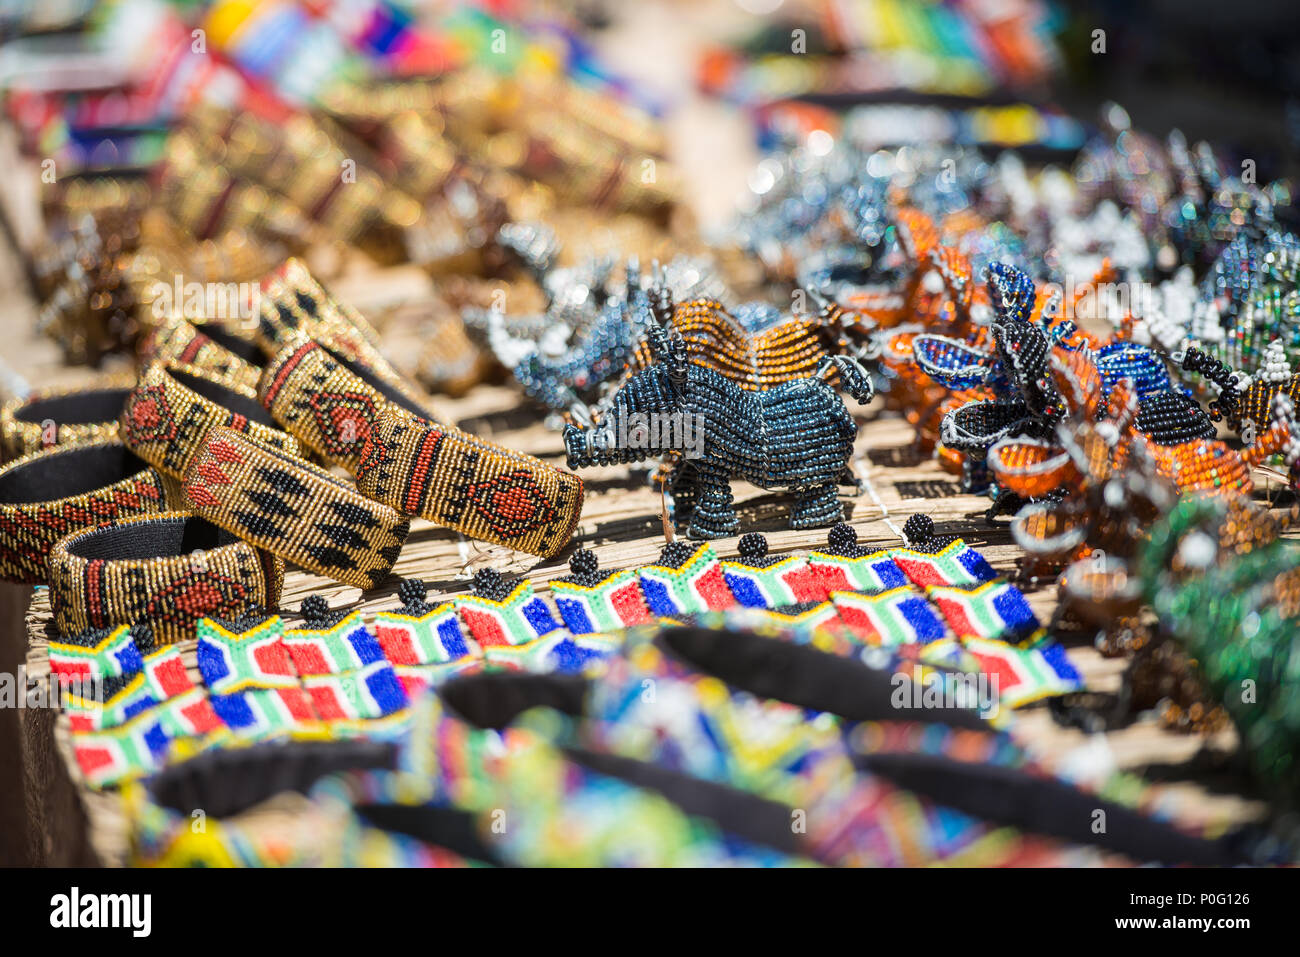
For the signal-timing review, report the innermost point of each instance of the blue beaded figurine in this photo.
(797, 435)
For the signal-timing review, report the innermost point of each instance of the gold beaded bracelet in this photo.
(47, 495)
(465, 483)
(327, 400)
(293, 509)
(173, 407)
(63, 417)
(476, 487)
(219, 353)
(293, 304)
(168, 571)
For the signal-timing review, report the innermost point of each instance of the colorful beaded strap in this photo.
(293, 509)
(49, 417)
(168, 571)
(174, 406)
(480, 489)
(47, 495)
(220, 354)
(345, 674)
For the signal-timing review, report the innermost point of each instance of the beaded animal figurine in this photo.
(797, 436)
(1243, 314)
(560, 373)
(1026, 400)
(588, 331)
(1098, 481)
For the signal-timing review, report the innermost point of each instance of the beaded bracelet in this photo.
(462, 482)
(329, 401)
(220, 354)
(47, 495)
(168, 570)
(293, 509)
(293, 305)
(49, 417)
(173, 407)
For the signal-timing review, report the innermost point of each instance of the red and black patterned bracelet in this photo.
(168, 571)
(47, 495)
(327, 400)
(172, 408)
(300, 512)
(465, 483)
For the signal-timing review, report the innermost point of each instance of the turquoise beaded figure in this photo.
(797, 436)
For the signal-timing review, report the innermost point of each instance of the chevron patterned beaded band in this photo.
(293, 509)
(304, 305)
(479, 489)
(64, 417)
(173, 408)
(47, 495)
(168, 570)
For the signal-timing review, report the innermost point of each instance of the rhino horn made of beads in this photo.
(567, 363)
(796, 436)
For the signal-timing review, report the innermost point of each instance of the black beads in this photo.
(413, 593)
(489, 583)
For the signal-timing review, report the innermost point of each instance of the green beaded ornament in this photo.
(1224, 609)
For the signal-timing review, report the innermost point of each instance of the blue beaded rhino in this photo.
(796, 436)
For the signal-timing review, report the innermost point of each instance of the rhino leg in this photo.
(715, 515)
(816, 506)
(684, 488)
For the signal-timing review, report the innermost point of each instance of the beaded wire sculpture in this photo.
(1249, 300)
(576, 350)
(939, 297)
(1244, 404)
(1097, 484)
(797, 436)
(1190, 203)
(1016, 368)
(1092, 498)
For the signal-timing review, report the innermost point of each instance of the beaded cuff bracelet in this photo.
(173, 407)
(329, 401)
(47, 495)
(462, 482)
(293, 509)
(293, 306)
(220, 354)
(49, 417)
(168, 570)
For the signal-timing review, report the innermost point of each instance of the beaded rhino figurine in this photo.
(797, 435)
(572, 351)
